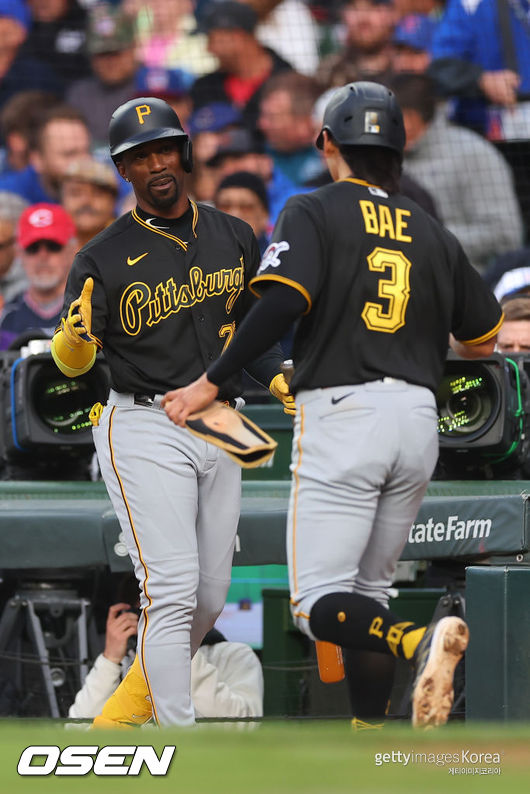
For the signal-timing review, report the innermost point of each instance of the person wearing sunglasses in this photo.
(46, 245)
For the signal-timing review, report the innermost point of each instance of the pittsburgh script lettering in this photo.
(140, 304)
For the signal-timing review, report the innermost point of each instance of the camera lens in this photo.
(63, 404)
(465, 404)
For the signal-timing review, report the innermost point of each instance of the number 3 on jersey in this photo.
(395, 290)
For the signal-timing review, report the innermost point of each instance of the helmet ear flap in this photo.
(187, 156)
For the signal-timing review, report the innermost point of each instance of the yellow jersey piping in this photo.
(282, 280)
(144, 566)
(175, 239)
(484, 337)
(295, 498)
(357, 181)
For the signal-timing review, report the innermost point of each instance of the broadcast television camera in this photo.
(45, 432)
(484, 418)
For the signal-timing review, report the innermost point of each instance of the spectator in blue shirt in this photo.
(18, 71)
(62, 137)
(57, 36)
(239, 150)
(481, 58)
(20, 118)
(470, 60)
(412, 42)
(244, 195)
(286, 121)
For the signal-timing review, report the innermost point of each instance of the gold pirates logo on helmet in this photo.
(141, 111)
(371, 122)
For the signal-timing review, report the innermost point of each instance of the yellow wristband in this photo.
(72, 361)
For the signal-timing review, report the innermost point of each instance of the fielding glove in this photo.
(234, 433)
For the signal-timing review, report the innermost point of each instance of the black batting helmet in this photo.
(364, 114)
(142, 120)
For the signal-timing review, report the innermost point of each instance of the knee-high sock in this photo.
(361, 623)
(370, 676)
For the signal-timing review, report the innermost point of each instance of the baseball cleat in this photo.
(436, 658)
(361, 725)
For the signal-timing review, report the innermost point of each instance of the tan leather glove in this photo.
(278, 388)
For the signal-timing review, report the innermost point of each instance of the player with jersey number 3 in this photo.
(380, 290)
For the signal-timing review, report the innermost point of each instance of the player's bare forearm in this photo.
(180, 403)
(482, 350)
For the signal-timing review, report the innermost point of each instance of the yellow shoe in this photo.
(103, 724)
(361, 725)
(129, 705)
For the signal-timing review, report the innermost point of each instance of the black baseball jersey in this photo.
(384, 283)
(168, 295)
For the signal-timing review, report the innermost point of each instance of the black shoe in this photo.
(436, 658)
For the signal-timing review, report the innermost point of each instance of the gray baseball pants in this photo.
(362, 458)
(177, 499)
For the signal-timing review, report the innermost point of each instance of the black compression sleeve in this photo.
(268, 320)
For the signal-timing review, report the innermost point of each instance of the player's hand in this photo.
(121, 624)
(500, 86)
(77, 327)
(278, 388)
(180, 403)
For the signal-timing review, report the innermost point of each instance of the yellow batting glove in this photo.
(77, 327)
(74, 347)
(278, 388)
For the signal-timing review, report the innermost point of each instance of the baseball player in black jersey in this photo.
(161, 291)
(379, 288)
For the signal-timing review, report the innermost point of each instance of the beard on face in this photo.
(162, 202)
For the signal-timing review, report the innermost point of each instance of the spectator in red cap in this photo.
(46, 241)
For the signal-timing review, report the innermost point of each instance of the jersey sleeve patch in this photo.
(271, 257)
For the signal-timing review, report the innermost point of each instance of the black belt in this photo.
(148, 401)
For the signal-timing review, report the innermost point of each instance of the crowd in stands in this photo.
(249, 80)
